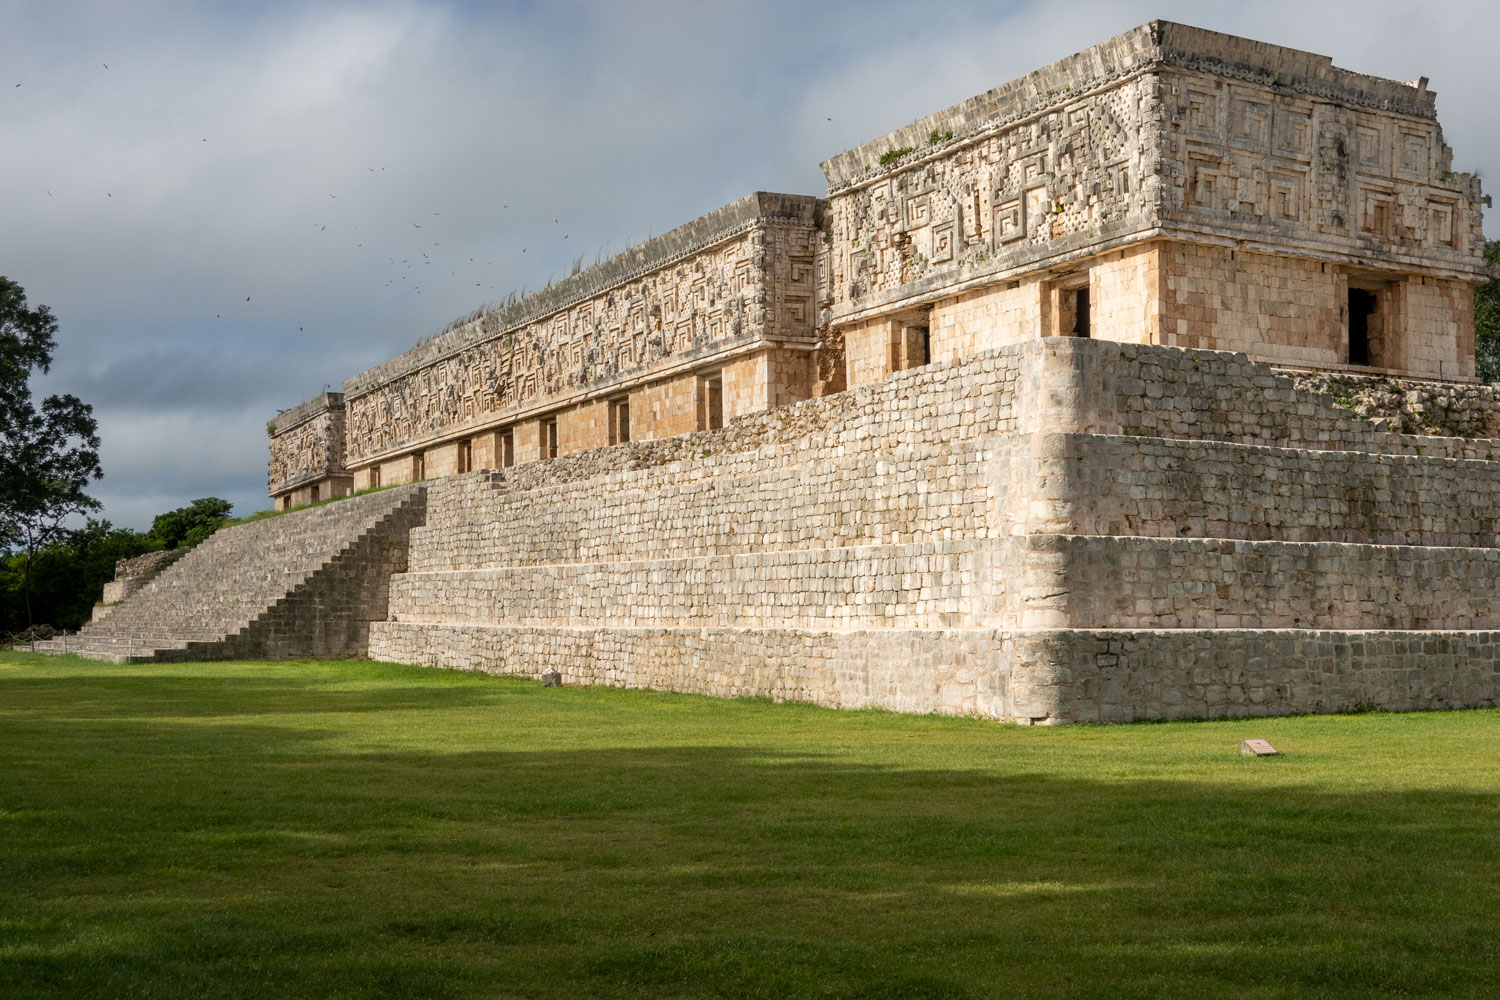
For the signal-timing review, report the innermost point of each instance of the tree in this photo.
(1487, 319)
(187, 526)
(47, 454)
(68, 575)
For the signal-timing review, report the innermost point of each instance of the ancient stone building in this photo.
(1139, 387)
(1170, 186)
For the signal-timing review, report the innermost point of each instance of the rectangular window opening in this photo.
(419, 466)
(1081, 312)
(910, 346)
(549, 438)
(466, 456)
(710, 401)
(315, 492)
(505, 448)
(619, 420)
(713, 402)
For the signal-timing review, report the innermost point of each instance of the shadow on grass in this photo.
(140, 692)
(252, 861)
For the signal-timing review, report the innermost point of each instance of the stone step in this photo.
(887, 586)
(928, 493)
(1022, 675)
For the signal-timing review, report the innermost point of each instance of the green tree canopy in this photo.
(48, 453)
(68, 575)
(1487, 319)
(187, 526)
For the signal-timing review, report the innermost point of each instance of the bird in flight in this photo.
(105, 65)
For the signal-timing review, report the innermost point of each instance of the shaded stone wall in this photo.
(133, 574)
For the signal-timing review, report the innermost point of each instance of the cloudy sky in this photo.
(230, 206)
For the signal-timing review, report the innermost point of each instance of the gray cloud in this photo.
(364, 173)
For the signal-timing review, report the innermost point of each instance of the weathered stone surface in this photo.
(886, 534)
(308, 451)
(994, 429)
(133, 574)
(305, 584)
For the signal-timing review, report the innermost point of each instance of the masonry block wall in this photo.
(967, 537)
(1169, 186)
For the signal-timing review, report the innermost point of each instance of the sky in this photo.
(231, 207)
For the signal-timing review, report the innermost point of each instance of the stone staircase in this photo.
(301, 585)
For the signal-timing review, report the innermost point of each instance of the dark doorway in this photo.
(711, 413)
(549, 438)
(1081, 313)
(1361, 307)
(619, 420)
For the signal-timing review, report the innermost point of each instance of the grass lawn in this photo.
(367, 830)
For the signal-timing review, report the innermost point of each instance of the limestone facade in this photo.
(1139, 387)
(1169, 186)
(709, 321)
(309, 445)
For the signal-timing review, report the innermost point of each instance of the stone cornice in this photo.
(757, 210)
(1149, 48)
(302, 412)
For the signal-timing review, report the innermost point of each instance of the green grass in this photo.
(262, 515)
(366, 830)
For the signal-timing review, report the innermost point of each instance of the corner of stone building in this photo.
(1042, 679)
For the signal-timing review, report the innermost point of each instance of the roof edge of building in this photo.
(756, 208)
(1150, 46)
(321, 403)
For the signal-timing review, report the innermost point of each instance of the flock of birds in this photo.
(405, 262)
(408, 262)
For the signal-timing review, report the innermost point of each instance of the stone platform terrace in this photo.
(1065, 530)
